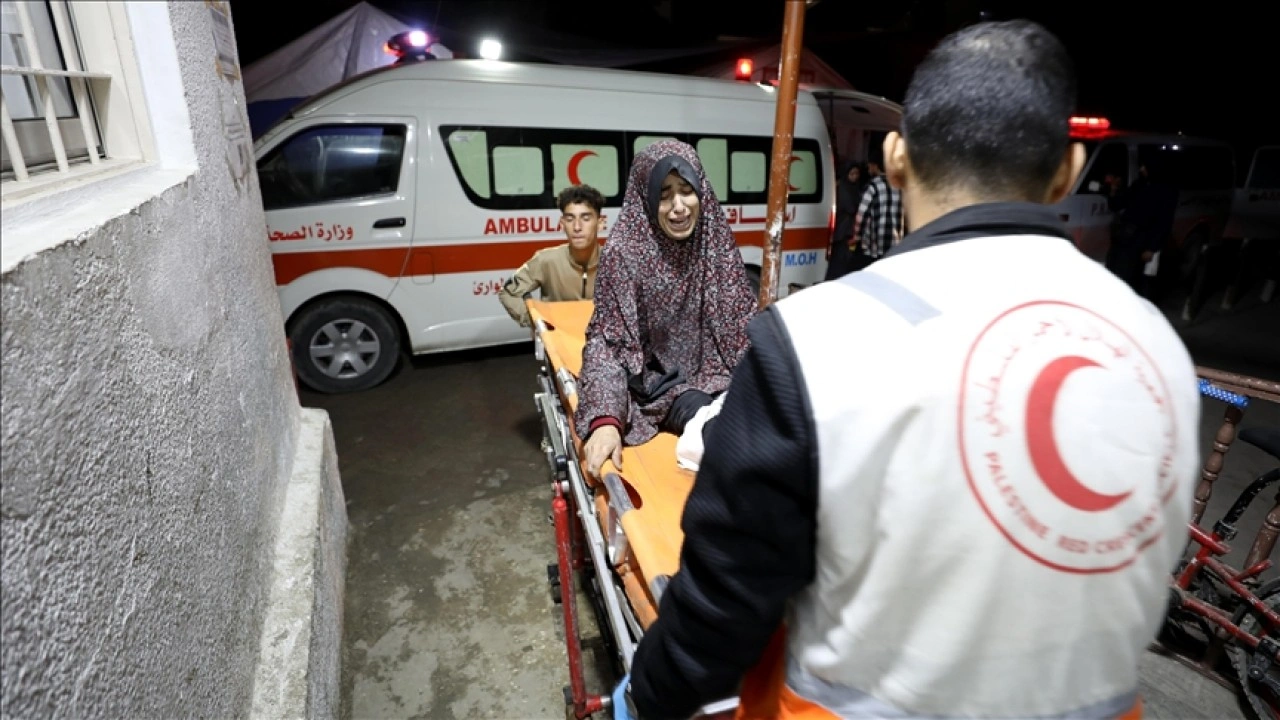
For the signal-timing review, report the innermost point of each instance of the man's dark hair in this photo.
(988, 110)
(583, 194)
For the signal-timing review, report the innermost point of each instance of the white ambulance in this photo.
(1202, 169)
(400, 201)
(1255, 225)
(1255, 208)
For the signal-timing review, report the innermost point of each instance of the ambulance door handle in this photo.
(388, 223)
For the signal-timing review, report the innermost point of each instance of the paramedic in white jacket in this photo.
(965, 498)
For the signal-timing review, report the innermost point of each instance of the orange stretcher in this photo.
(629, 531)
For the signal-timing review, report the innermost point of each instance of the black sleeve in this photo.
(749, 532)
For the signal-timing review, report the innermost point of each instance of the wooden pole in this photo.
(784, 124)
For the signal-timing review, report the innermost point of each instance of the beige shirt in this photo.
(553, 270)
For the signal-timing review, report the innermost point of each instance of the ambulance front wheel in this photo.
(344, 344)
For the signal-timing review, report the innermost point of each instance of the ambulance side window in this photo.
(1265, 173)
(738, 168)
(517, 170)
(332, 163)
(595, 165)
(1189, 167)
(470, 151)
(524, 168)
(804, 172)
(1111, 161)
(747, 173)
(714, 154)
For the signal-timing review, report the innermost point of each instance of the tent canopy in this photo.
(348, 44)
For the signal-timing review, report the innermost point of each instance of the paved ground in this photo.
(448, 613)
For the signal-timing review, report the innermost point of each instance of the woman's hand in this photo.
(604, 444)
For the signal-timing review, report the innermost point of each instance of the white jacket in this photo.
(1045, 424)
(967, 470)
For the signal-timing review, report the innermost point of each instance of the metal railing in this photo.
(77, 77)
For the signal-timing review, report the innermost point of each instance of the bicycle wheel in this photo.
(1262, 700)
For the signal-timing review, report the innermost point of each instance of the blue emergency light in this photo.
(409, 46)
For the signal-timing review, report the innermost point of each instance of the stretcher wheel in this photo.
(1262, 700)
(569, 714)
(553, 577)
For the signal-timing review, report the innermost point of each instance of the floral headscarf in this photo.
(670, 315)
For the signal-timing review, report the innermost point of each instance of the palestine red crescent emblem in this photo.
(1048, 391)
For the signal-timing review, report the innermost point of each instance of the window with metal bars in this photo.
(46, 93)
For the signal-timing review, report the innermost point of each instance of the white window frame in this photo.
(110, 76)
(145, 128)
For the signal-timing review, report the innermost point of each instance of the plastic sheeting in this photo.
(348, 44)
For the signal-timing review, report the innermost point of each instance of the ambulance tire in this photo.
(360, 330)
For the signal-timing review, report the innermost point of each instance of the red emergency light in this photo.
(1083, 126)
(744, 69)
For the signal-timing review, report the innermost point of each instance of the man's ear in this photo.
(1068, 170)
(895, 160)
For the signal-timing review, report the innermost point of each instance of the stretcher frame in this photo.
(584, 544)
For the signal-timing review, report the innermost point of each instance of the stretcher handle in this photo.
(619, 505)
(658, 586)
(1208, 389)
(568, 382)
(566, 378)
(619, 499)
(539, 347)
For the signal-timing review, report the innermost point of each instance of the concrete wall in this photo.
(300, 663)
(150, 429)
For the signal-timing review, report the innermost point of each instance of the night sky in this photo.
(1146, 66)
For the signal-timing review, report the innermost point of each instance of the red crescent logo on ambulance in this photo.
(574, 161)
(790, 187)
(1043, 446)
